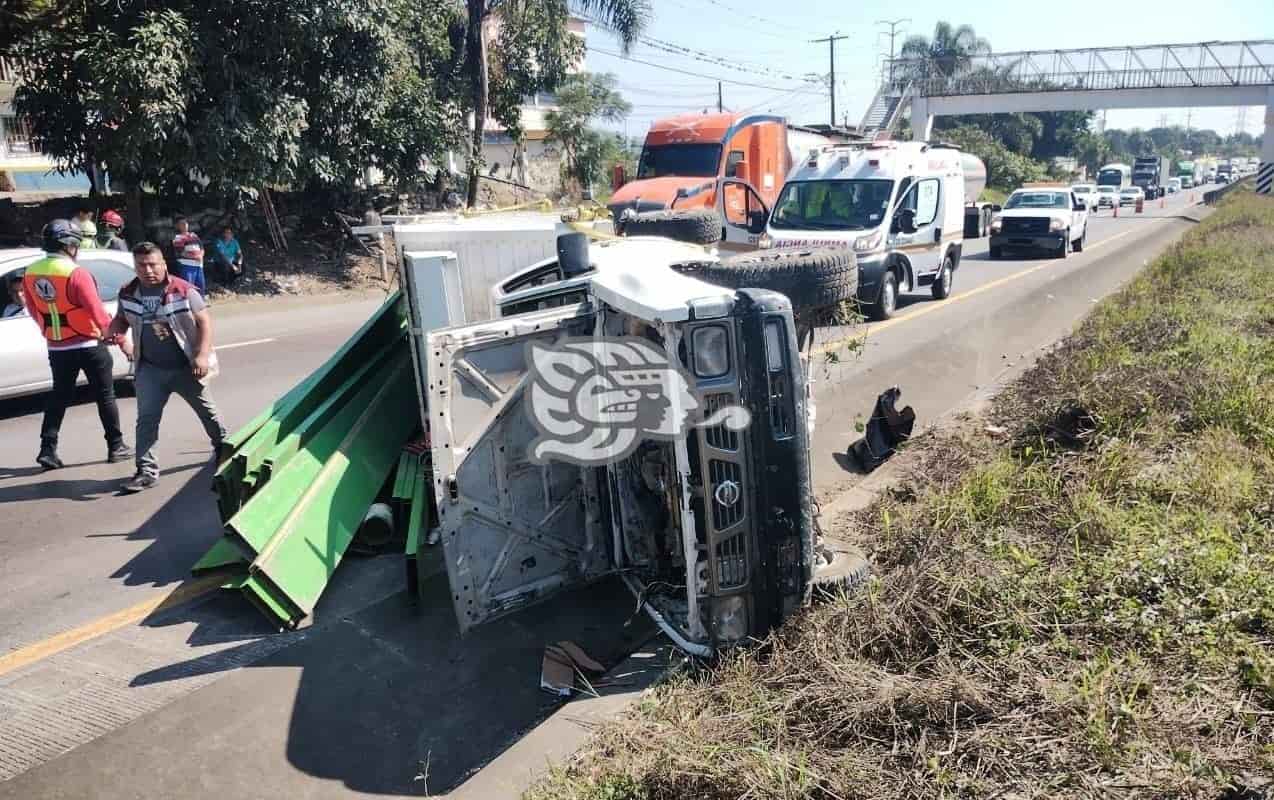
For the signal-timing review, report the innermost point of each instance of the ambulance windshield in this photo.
(841, 205)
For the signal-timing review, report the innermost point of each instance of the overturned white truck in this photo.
(624, 415)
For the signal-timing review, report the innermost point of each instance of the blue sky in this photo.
(766, 43)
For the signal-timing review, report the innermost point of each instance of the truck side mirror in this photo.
(618, 178)
(1079, 206)
(756, 221)
(905, 220)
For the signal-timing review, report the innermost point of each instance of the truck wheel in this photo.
(840, 570)
(887, 301)
(941, 288)
(1079, 243)
(811, 278)
(995, 252)
(696, 226)
(1065, 249)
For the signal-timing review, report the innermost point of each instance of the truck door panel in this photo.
(513, 532)
(738, 202)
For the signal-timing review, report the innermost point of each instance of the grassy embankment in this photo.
(1083, 607)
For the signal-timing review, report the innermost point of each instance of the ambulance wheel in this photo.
(942, 282)
(697, 226)
(812, 278)
(887, 301)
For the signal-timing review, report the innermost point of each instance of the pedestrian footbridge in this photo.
(1148, 76)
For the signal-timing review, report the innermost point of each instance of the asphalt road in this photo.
(376, 696)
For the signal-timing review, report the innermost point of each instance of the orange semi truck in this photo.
(733, 164)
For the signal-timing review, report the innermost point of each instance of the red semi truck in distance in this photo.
(733, 164)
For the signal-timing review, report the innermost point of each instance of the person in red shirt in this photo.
(62, 298)
(188, 253)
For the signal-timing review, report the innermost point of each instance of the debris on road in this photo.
(562, 663)
(887, 428)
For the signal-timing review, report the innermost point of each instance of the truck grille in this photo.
(719, 436)
(780, 406)
(726, 480)
(732, 562)
(1030, 226)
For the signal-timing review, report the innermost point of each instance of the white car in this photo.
(1088, 193)
(1107, 196)
(1041, 216)
(1129, 195)
(24, 360)
(1174, 185)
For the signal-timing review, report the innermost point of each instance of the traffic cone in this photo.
(1115, 207)
(1161, 201)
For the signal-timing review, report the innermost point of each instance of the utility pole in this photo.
(893, 25)
(720, 103)
(831, 83)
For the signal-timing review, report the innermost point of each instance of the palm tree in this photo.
(625, 18)
(951, 51)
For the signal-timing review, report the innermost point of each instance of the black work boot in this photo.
(118, 452)
(48, 458)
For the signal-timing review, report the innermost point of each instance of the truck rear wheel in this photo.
(696, 226)
(811, 278)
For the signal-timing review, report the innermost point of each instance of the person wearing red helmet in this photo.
(111, 235)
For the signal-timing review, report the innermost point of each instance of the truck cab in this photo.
(623, 417)
(732, 164)
(1041, 216)
(899, 206)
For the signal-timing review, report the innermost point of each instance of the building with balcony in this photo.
(23, 168)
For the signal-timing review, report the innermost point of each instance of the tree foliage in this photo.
(232, 93)
(950, 50)
(583, 99)
(1006, 169)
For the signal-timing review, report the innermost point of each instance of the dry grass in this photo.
(1085, 610)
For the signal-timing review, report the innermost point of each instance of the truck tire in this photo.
(848, 570)
(1065, 249)
(811, 278)
(1078, 244)
(886, 302)
(696, 226)
(995, 252)
(941, 288)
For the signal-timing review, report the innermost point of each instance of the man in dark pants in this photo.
(62, 298)
(172, 330)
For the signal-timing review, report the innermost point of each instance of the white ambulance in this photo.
(902, 207)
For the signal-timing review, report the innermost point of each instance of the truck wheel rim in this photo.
(946, 278)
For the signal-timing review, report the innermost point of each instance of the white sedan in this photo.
(24, 360)
(1129, 195)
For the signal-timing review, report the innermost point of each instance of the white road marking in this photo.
(243, 344)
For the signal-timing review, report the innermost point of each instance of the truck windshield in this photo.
(1110, 177)
(852, 205)
(690, 160)
(1038, 200)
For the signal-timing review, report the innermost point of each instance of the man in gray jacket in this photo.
(172, 347)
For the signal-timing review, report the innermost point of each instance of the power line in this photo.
(730, 81)
(708, 58)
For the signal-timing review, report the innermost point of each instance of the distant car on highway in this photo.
(1129, 195)
(1088, 193)
(1174, 185)
(24, 360)
(1107, 196)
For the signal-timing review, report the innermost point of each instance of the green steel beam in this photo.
(222, 554)
(273, 504)
(298, 561)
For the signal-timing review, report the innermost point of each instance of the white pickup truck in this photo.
(1041, 217)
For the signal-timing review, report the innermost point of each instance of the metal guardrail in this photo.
(1213, 197)
(1200, 65)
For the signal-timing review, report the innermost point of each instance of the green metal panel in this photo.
(222, 554)
(275, 502)
(304, 552)
(418, 513)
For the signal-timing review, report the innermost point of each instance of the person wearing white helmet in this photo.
(88, 235)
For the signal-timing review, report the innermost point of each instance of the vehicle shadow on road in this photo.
(391, 699)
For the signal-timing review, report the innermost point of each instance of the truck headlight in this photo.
(996, 224)
(865, 244)
(765, 242)
(711, 351)
(1055, 225)
(730, 616)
